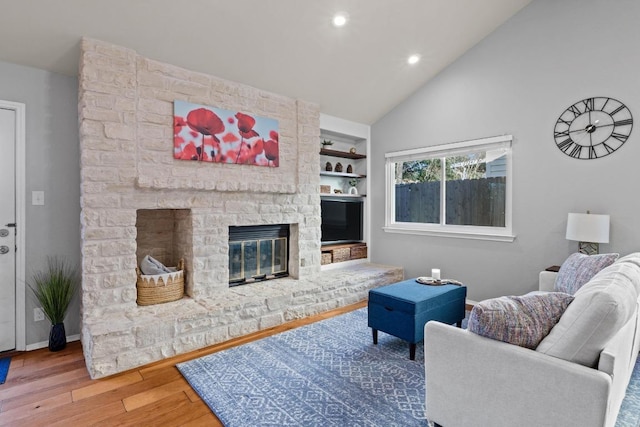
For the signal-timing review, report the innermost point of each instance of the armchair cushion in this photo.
(520, 320)
(578, 269)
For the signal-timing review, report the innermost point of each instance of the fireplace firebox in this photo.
(258, 252)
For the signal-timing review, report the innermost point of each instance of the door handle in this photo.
(4, 232)
(4, 250)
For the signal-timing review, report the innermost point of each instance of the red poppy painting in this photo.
(209, 134)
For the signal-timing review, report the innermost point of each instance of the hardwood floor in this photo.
(54, 389)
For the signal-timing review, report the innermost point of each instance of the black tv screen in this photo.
(341, 220)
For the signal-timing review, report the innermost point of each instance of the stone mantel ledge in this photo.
(173, 183)
(138, 335)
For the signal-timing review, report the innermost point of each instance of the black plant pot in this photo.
(57, 337)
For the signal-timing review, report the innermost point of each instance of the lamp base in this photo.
(588, 248)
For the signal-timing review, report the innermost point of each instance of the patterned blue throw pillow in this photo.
(520, 320)
(579, 268)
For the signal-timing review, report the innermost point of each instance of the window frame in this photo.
(502, 234)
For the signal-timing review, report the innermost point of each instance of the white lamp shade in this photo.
(588, 228)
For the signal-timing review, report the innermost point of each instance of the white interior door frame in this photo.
(20, 170)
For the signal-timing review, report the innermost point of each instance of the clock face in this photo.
(593, 128)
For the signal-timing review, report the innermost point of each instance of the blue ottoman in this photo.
(402, 309)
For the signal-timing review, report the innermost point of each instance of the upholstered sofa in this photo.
(576, 376)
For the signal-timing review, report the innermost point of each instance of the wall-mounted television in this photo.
(341, 220)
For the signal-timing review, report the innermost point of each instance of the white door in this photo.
(7, 230)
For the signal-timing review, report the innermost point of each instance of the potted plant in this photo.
(327, 143)
(353, 182)
(54, 288)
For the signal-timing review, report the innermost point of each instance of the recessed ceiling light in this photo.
(339, 20)
(413, 59)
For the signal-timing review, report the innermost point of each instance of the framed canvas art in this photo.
(208, 134)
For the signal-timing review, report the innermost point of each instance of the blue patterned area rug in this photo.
(327, 373)
(4, 368)
(629, 415)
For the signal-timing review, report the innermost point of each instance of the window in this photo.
(457, 190)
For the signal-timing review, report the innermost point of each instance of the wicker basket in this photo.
(159, 288)
(341, 254)
(326, 258)
(358, 252)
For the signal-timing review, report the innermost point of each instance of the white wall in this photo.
(52, 165)
(518, 81)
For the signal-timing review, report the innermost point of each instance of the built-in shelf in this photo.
(342, 174)
(343, 154)
(348, 150)
(343, 252)
(343, 195)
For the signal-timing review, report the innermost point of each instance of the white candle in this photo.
(435, 273)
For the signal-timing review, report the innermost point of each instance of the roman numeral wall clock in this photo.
(593, 128)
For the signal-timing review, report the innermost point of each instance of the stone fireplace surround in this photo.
(127, 167)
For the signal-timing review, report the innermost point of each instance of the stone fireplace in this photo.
(137, 200)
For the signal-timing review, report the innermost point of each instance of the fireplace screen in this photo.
(258, 253)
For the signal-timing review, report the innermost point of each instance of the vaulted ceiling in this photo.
(358, 72)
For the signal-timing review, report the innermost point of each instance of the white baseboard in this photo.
(43, 344)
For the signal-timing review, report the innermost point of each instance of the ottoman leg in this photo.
(459, 324)
(412, 351)
(375, 335)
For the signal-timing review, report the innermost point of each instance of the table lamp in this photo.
(588, 230)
